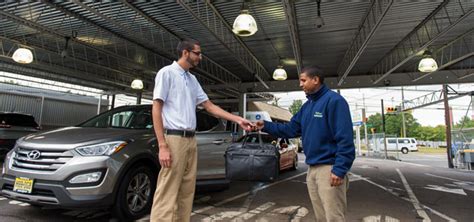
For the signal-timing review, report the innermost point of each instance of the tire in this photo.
(300, 149)
(135, 194)
(295, 163)
(404, 150)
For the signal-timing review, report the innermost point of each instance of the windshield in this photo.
(129, 118)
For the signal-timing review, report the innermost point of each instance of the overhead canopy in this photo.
(276, 113)
(361, 44)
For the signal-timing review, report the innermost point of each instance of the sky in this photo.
(427, 116)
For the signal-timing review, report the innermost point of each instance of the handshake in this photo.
(251, 126)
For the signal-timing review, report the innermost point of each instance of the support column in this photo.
(139, 97)
(447, 118)
(242, 110)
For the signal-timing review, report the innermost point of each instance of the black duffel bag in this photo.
(252, 161)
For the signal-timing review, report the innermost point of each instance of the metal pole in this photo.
(113, 101)
(242, 109)
(98, 104)
(383, 130)
(364, 117)
(139, 98)
(404, 129)
(447, 118)
(359, 153)
(41, 111)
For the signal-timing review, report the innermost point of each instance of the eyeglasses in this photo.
(196, 53)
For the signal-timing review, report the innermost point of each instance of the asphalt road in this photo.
(380, 190)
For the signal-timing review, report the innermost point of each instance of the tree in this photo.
(296, 106)
(464, 122)
(393, 124)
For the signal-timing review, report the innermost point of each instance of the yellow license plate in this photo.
(23, 185)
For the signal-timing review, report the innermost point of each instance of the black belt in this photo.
(183, 133)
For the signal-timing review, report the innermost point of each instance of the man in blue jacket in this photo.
(324, 122)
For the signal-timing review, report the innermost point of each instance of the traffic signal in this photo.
(392, 109)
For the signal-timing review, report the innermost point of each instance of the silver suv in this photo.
(107, 161)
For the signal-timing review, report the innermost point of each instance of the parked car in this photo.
(13, 126)
(288, 150)
(404, 145)
(107, 161)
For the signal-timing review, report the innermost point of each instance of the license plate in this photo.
(23, 185)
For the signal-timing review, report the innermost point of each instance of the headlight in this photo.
(86, 178)
(101, 149)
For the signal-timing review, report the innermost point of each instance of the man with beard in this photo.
(175, 97)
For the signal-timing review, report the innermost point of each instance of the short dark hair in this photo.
(186, 44)
(314, 71)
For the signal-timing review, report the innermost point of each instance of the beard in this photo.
(190, 62)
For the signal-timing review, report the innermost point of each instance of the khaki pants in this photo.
(173, 200)
(329, 203)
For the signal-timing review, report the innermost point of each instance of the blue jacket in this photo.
(325, 125)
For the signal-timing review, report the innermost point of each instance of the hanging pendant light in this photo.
(23, 56)
(137, 84)
(244, 25)
(427, 64)
(319, 20)
(279, 73)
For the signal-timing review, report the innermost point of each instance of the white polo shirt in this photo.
(181, 93)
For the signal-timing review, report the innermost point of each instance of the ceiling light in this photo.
(244, 24)
(319, 19)
(23, 56)
(137, 84)
(427, 64)
(279, 73)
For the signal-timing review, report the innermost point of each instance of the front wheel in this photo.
(135, 194)
(404, 150)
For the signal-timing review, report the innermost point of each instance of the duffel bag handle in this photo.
(260, 140)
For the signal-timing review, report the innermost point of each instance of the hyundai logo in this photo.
(33, 155)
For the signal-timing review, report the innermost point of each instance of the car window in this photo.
(391, 141)
(403, 141)
(131, 118)
(14, 119)
(413, 141)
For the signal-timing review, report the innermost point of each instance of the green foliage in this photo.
(393, 127)
(296, 106)
(465, 122)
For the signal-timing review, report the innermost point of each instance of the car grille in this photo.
(48, 160)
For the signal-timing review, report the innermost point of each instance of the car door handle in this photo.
(218, 142)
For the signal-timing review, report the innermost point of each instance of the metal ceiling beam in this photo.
(362, 81)
(89, 64)
(208, 68)
(453, 52)
(209, 17)
(57, 64)
(374, 17)
(440, 22)
(119, 39)
(290, 13)
(8, 66)
(432, 98)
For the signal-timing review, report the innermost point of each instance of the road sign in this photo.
(358, 123)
